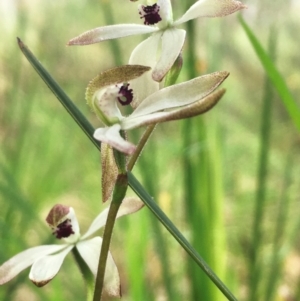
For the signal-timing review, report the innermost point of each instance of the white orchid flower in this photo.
(158, 19)
(111, 88)
(46, 260)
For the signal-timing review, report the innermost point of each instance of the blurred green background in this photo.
(229, 179)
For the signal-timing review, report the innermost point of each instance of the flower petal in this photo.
(179, 95)
(45, 268)
(90, 252)
(75, 227)
(104, 33)
(23, 260)
(165, 12)
(210, 8)
(194, 109)
(111, 135)
(129, 205)
(144, 54)
(172, 42)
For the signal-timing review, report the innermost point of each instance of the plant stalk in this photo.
(118, 196)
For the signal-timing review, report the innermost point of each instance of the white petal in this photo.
(111, 135)
(97, 224)
(165, 12)
(45, 268)
(23, 260)
(104, 33)
(172, 42)
(90, 252)
(144, 54)
(129, 205)
(75, 227)
(179, 95)
(145, 120)
(210, 8)
(194, 109)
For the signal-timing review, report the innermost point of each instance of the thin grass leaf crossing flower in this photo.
(158, 19)
(46, 260)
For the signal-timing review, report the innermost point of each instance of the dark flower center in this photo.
(150, 14)
(126, 95)
(64, 229)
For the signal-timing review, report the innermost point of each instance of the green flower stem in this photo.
(118, 195)
(170, 80)
(140, 146)
(86, 272)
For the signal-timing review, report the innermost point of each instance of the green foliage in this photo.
(274, 76)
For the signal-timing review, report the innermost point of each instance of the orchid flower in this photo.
(158, 19)
(46, 260)
(111, 88)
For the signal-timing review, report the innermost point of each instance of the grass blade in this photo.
(255, 270)
(274, 76)
(283, 207)
(59, 93)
